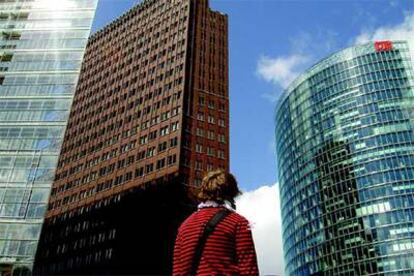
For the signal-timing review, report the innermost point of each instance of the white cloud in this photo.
(262, 208)
(402, 31)
(282, 70)
(315, 44)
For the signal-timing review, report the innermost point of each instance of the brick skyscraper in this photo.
(150, 117)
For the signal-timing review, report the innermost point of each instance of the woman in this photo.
(229, 249)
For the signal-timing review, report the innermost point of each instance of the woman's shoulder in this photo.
(199, 216)
(204, 214)
(232, 217)
(239, 218)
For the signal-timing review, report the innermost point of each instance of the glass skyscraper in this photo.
(345, 147)
(41, 49)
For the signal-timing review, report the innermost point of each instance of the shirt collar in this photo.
(212, 204)
(209, 203)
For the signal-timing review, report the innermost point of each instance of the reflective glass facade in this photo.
(345, 147)
(41, 49)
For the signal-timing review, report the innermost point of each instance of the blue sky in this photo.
(290, 36)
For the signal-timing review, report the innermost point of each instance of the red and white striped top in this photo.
(229, 250)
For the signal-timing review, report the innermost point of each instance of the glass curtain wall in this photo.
(345, 147)
(42, 43)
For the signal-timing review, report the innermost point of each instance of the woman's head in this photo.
(218, 186)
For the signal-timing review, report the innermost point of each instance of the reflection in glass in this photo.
(41, 48)
(345, 146)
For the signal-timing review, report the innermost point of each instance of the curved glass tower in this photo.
(345, 148)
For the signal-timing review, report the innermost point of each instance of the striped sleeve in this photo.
(246, 254)
(177, 266)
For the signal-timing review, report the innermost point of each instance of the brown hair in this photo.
(218, 186)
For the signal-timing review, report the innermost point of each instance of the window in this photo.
(199, 148)
(124, 148)
(143, 139)
(200, 132)
(201, 100)
(221, 123)
(210, 151)
(200, 116)
(174, 142)
(128, 176)
(199, 165)
(211, 119)
(145, 125)
(139, 172)
(149, 168)
(150, 152)
(211, 104)
(164, 131)
(165, 116)
(222, 138)
(174, 126)
(119, 180)
(175, 111)
(130, 160)
(222, 107)
(172, 159)
(155, 120)
(121, 163)
(162, 146)
(152, 135)
(141, 155)
(160, 163)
